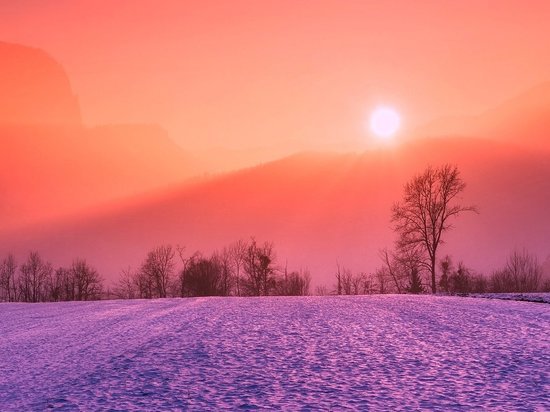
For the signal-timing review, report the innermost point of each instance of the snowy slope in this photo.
(376, 352)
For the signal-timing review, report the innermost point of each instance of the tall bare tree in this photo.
(426, 210)
(88, 283)
(33, 277)
(159, 268)
(238, 253)
(181, 285)
(225, 261)
(259, 266)
(339, 274)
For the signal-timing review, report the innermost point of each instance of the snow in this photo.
(523, 297)
(367, 352)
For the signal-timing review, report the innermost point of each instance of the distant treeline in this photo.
(244, 268)
(36, 280)
(248, 268)
(403, 274)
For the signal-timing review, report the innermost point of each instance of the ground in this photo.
(314, 353)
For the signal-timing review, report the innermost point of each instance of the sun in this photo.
(384, 122)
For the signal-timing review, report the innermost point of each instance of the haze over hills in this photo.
(35, 89)
(51, 164)
(96, 192)
(320, 208)
(523, 119)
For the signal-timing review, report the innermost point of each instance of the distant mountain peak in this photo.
(35, 88)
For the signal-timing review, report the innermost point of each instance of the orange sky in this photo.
(294, 74)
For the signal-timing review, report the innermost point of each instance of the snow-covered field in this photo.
(372, 352)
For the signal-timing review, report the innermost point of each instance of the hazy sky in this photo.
(242, 74)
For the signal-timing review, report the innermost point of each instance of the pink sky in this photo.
(294, 74)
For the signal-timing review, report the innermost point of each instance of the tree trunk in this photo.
(432, 270)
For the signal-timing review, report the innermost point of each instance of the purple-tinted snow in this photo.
(373, 352)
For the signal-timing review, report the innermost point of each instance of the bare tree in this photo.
(159, 268)
(410, 264)
(181, 283)
(144, 284)
(294, 283)
(202, 277)
(522, 273)
(446, 267)
(55, 285)
(381, 275)
(8, 288)
(88, 282)
(259, 267)
(392, 268)
(126, 287)
(478, 283)
(349, 283)
(426, 210)
(238, 253)
(225, 261)
(339, 276)
(368, 284)
(33, 277)
(321, 290)
(69, 284)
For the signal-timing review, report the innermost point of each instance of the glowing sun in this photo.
(384, 122)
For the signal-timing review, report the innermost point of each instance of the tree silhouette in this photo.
(446, 266)
(8, 287)
(158, 269)
(34, 273)
(415, 285)
(522, 273)
(425, 212)
(259, 267)
(88, 283)
(203, 277)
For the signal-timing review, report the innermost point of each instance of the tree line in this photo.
(36, 280)
(426, 212)
(521, 273)
(250, 269)
(244, 268)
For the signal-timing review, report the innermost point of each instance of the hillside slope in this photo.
(523, 120)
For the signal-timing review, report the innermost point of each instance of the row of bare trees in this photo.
(249, 269)
(244, 268)
(404, 274)
(521, 273)
(36, 280)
